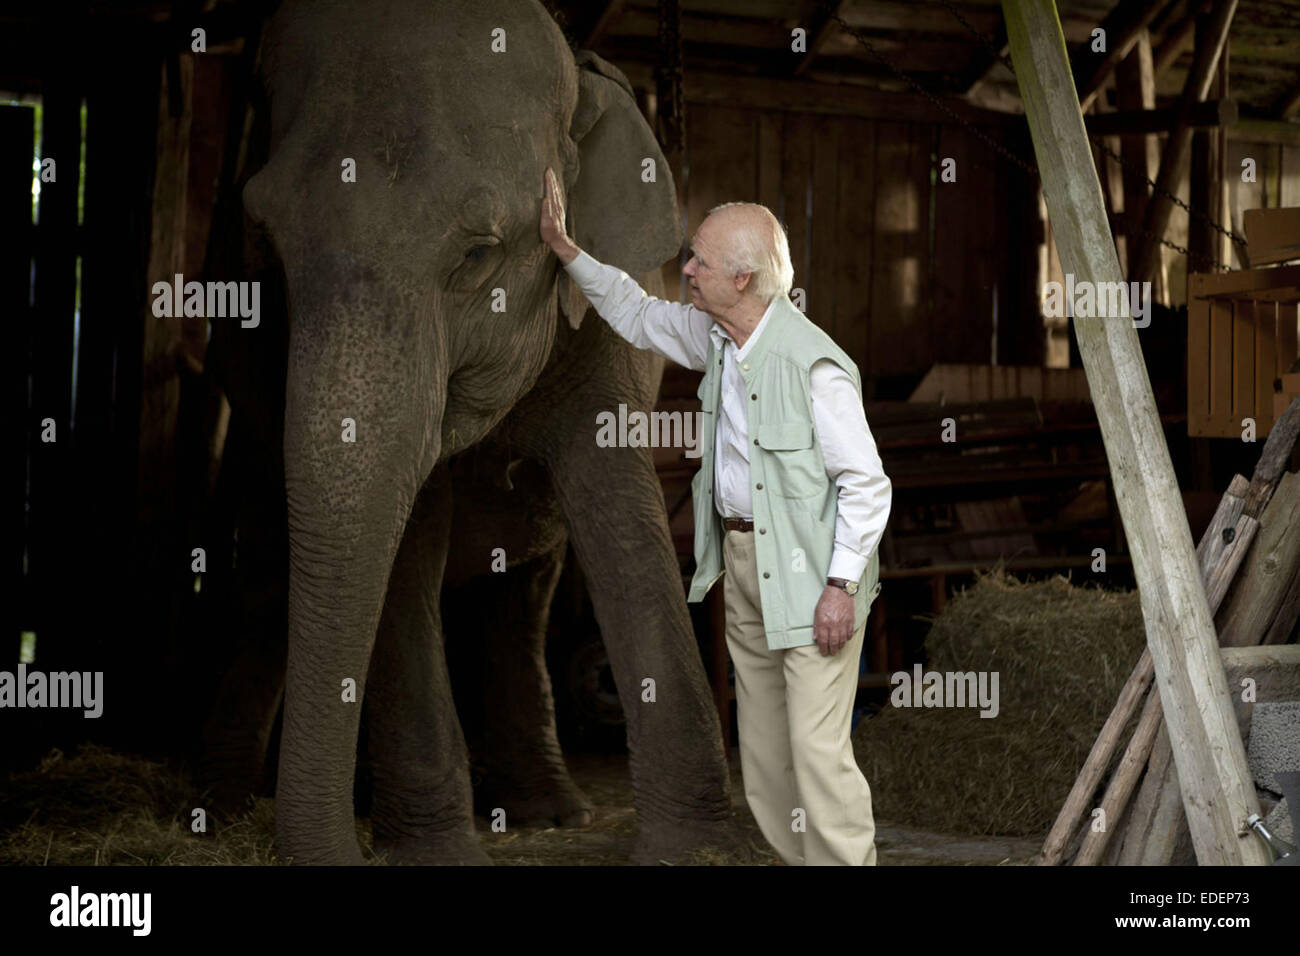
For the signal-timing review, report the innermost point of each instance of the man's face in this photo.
(711, 289)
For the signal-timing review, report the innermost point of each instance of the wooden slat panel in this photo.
(1220, 365)
(1243, 361)
(825, 216)
(899, 267)
(1198, 366)
(854, 240)
(796, 178)
(1286, 335)
(1265, 362)
(769, 164)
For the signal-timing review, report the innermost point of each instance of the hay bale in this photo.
(1062, 654)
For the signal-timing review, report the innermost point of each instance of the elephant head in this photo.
(400, 197)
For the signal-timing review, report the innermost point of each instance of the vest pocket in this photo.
(794, 468)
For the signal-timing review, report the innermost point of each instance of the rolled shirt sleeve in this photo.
(853, 463)
(678, 332)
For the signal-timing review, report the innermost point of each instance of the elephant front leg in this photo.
(518, 752)
(422, 808)
(615, 511)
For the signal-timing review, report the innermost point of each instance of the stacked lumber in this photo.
(1254, 595)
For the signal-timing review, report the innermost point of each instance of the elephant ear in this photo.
(614, 214)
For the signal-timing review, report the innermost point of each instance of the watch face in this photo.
(851, 587)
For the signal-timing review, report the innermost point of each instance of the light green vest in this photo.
(793, 498)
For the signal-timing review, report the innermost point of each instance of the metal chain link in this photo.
(1101, 144)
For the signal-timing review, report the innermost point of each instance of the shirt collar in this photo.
(721, 336)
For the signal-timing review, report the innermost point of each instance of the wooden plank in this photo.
(1216, 781)
(796, 181)
(1266, 369)
(1130, 695)
(1221, 332)
(1156, 220)
(854, 238)
(1125, 22)
(711, 87)
(1198, 366)
(1287, 350)
(1273, 235)
(958, 313)
(1252, 281)
(893, 288)
(1243, 363)
(769, 164)
(825, 221)
(1140, 120)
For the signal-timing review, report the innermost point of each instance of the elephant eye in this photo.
(477, 263)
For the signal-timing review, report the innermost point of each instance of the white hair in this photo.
(758, 245)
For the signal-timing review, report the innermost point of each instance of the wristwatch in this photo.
(850, 587)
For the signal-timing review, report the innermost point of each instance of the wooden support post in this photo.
(1180, 634)
(1205, 186)
(1195, 89)
(1135, 89)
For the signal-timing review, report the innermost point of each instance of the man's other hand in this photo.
(552, 223)
(833, 621)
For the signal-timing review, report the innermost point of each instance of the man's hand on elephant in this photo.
(552, 224)
(833, 620)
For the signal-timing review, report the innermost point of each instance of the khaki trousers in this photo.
(794, 708)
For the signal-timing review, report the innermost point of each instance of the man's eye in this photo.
(477, 254)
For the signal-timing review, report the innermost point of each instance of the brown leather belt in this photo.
(738, 524)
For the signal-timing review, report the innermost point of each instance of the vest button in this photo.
(766, 575)
(755, 441)
(745, 366)
(754, 396)
(759, 486)
(762, 531)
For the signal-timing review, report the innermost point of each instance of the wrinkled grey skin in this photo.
(389, 283)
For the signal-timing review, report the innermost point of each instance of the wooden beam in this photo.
(1219, 791)
(1123, 25)
(1135, 89)
(1195, 89)
(819, 28)
(1207, 115)
(712, 88)
(1251, 129)
(1175, 40)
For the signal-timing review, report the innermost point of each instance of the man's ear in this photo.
(623, 207)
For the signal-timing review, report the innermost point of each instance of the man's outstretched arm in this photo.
(677, 332)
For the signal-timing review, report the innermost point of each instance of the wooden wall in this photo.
(902, 270)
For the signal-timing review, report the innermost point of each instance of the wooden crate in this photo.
(1241, 341)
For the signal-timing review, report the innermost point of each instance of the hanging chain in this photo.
(1136, 171)
(668, 77)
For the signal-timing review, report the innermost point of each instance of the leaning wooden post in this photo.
(1218, 792)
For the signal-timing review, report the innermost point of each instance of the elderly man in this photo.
(789, 469)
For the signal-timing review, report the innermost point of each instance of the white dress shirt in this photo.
(683, 334)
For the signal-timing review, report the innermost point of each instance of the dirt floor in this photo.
(606, 782)
(97, 807)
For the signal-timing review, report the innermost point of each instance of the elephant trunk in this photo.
(357, 450)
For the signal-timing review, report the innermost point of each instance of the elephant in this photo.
(428, 402)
